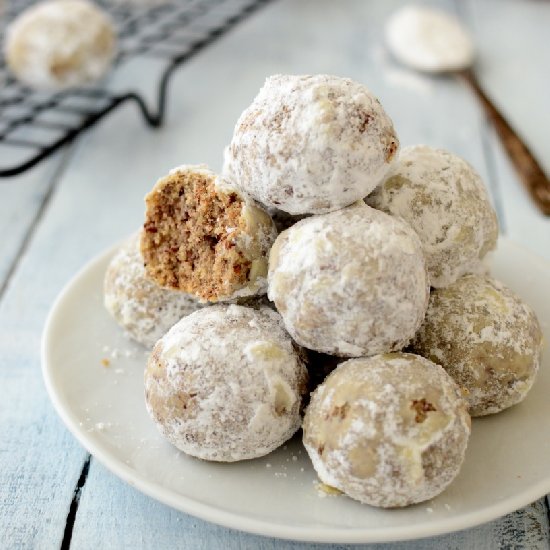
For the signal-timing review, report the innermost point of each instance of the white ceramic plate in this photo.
(506, 465)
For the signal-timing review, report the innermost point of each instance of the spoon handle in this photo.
(530, 172)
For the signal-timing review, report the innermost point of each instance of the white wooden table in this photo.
(60, 214)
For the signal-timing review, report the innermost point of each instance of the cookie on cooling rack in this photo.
(59, 44)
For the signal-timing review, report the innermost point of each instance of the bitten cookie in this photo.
(311, 144)
(60, 43)
(486, 338)
(445, 202)
(349, 283)
(226, 384)
(390, 430)
(141, 307)
(203, 237)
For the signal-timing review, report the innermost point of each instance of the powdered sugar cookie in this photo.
(445, 202)
(226, 383)
(141, 307)
(311, 144)
(486, 338)
(349, 283)
(389, 431)
(60, 43)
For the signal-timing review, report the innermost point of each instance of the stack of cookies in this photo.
(321, 244)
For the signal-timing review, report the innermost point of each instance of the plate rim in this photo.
(239, 522)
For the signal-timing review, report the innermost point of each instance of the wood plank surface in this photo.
(39, 461)
(149, 524)
(99, 199)
(513, 55)
(21, 199)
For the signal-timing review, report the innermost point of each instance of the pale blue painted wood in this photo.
(117, 516)
(524, 223)
(20, 201)
(513, 61)
(99, 199)
(512, 39)
(39, 462)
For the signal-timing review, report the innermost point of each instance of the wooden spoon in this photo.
(527, 167)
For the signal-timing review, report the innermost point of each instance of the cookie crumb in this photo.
(324, 490)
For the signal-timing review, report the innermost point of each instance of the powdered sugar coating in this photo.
(311, 144)
(429, 40)
(60, 43)
(141, 307)
(486, 338)
(444, 200)
(226, 384)
(350, 283)
(256, 241)
(282, 220)
(389, 431)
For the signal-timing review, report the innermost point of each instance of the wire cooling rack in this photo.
(33, 125)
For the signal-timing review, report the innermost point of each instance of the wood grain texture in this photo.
(149, 524)
(527, 167)
(524, 223)
(39, 461)
(99, 199)
(20, 201)
(511, 72)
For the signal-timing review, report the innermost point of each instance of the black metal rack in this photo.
(35, 124)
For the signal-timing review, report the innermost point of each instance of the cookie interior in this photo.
(190, 235)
